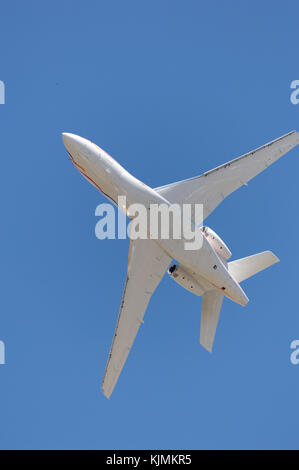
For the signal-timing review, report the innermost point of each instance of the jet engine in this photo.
(216, 242)
(185, 278)
(182, 277)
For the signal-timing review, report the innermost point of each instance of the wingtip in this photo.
(206, 347)
(107, 395)
(105, 392)
(274, 257)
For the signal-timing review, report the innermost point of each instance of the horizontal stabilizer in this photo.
(244, 268)
(210, 310)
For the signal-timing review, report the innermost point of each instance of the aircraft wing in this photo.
(212, 187)
(146, 266)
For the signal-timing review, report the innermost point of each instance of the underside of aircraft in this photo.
(147, 262)
(208, 272)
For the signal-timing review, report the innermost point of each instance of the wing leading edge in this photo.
(212, 187)
(147, 264)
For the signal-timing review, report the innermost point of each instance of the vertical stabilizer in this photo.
(210, 310)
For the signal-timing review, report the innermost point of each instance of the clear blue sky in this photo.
(170, 89)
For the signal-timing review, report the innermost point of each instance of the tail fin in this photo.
(240, 269)
(210, 310)
(244, 268)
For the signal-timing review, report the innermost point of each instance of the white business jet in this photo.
(205, 272)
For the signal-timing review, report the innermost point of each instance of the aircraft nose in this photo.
(67, 138)
(80, 149)
(73, 143)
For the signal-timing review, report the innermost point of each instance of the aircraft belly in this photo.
(205, 263)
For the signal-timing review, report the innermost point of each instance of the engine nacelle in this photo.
(216, 242)
(185, 280)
